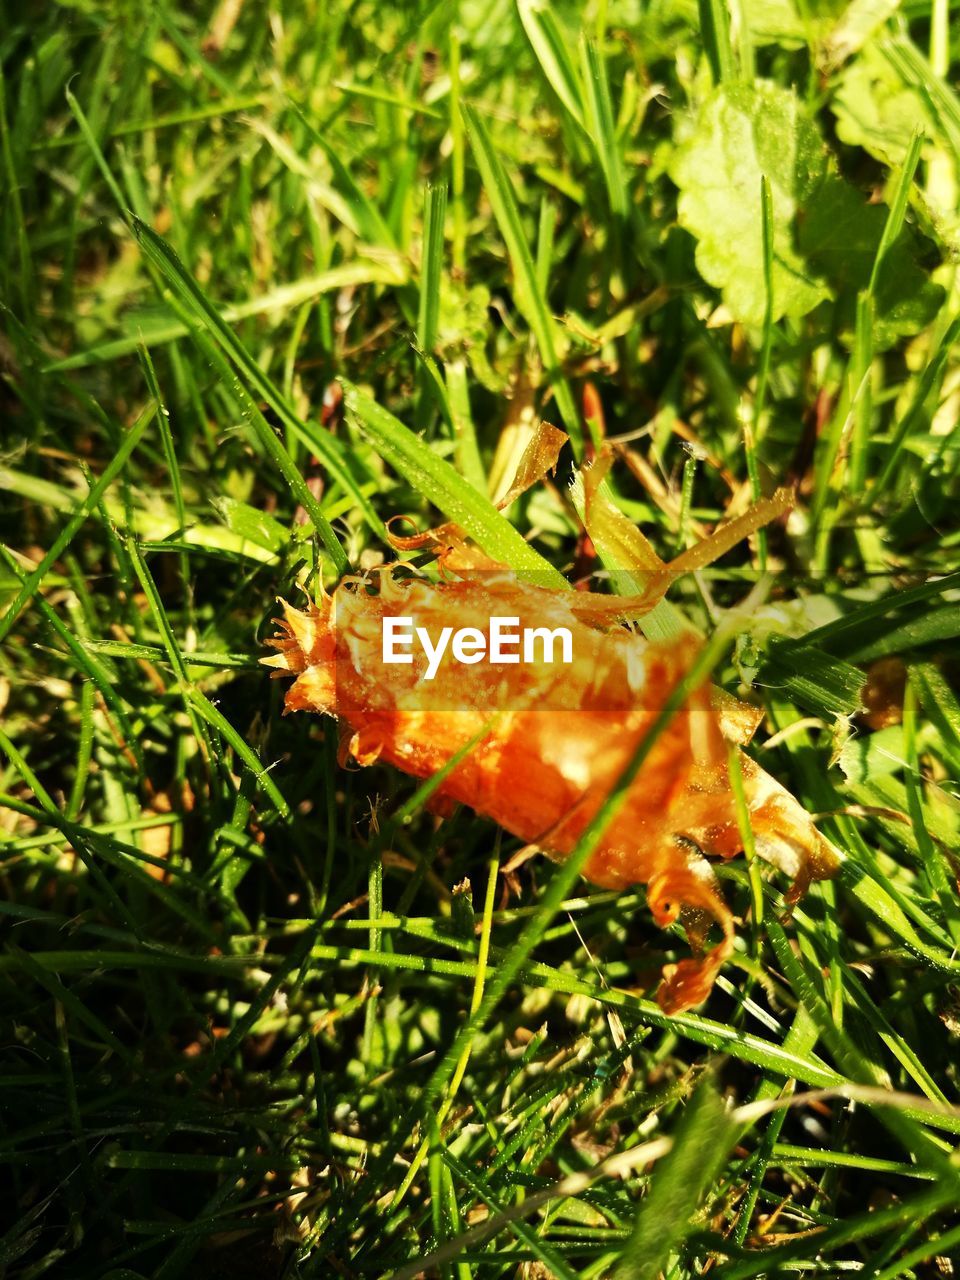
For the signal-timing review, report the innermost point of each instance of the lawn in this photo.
(274, 275)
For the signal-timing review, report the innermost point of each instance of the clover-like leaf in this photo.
(839, 235)
(875, 109)
(878, 107)
(825, 232)
(743, 133)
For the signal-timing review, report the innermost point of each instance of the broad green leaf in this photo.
(742, 134)
(876, 110)
(839, 235)
(879, 101)
(825, 233)
(941, 99)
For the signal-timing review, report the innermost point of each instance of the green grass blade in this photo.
(556, 62)
(600, 125)
(898, 207)
(530, 301)
(159, 253)
(285, 297)
(440, 483)
(12, 185)
(703, 1137)
(431, 270)
(715, 29)
(87, 664)
(89, 504)
(928, 379)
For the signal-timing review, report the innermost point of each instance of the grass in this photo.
(275, 276)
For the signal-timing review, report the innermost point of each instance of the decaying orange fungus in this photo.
(559, 735)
